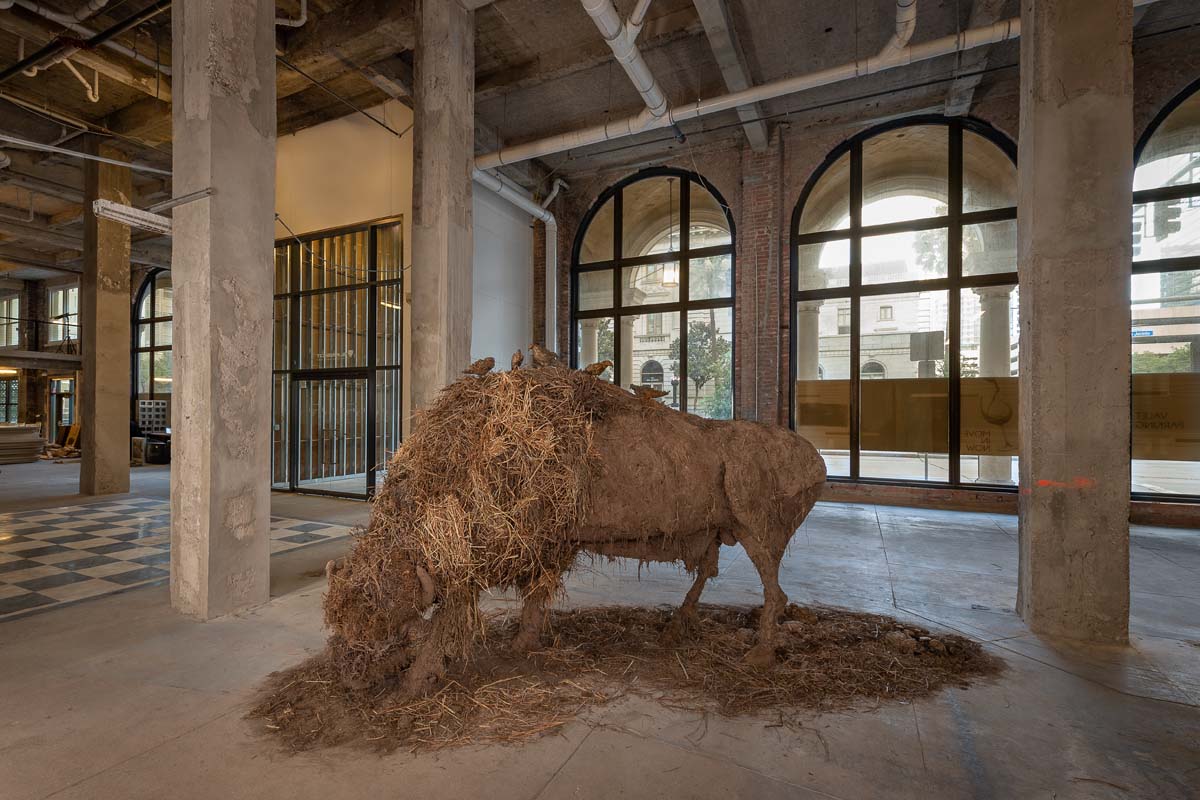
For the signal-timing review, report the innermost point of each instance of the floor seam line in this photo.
(562, 766)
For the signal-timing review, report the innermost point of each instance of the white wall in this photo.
(502, 289)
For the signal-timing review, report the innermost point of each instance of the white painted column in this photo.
(627, 350)
(443, 159)
(1074, 238)
(223, 115)
(104, 331)
(589, 343)
(808, 340)
(994, 362)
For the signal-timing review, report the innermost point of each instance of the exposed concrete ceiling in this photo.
(542, 68)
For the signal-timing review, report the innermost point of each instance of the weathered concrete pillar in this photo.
(104, 331)
(443, 154)
(808, 340)
(224, 138)
(994, 362)
(1075, 249)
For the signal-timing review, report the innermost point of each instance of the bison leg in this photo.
(683, 623)
(766, 560)
(533, 618)
(429, 665)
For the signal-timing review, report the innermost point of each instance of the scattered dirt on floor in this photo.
(829, 659)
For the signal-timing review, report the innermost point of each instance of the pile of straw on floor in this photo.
(828, 659)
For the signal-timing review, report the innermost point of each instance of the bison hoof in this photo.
(524, 643)
(761, 655)
(680, 629)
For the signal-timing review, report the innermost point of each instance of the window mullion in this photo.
(856, 190)
(953, 304)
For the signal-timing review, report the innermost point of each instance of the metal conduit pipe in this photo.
(523, 201)
(1002, 31)
(90, 8)
(298, 22)
(906, 23)
(621, 41)
(69, 21)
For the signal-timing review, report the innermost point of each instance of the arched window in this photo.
(1165, 293)
(904, 272)
(653, 285)
(152, 368)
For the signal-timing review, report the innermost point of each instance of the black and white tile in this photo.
(55, 556)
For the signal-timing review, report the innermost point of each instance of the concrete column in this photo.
(627, 350)
(443, 154)
(808, 340)
(589, 341)
(104, 331)
(994, 362)
(1075, 248)
(223, 54)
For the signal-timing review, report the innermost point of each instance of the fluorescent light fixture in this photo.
(162, 380)
(386, 304)
(133, 217)
(7, 371)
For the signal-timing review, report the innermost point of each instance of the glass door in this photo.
(331, 437)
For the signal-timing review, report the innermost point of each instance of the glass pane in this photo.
(1167, 229)
(824, 265)
(389, 415)
(650, 283)
(162, 372)
(162, 334)
(707, 224)
(1172, 156)
(989, 248)
(280, 349)
(282, 269)
(279, 431)
(1166, 382)
(989, 175)
(904, 395)
(598, 241)
(649, 349)
(710, 278)
(389, 316)
(333, 328)
(143, 336)
(332, 445)
(989, 386)
(823, 379)
(144, 310)
(143, 375)
(908, 256)
(905, 174)
(595, 289)
(710, 363)
(594, 343)
(650, 220)
(389, 252)
(162, 295)
(339, 260)
(827, 207)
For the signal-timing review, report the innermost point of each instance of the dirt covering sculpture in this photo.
(509, 476)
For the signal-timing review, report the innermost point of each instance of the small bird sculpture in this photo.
(647, 392)
(598, 367)
(481, 367)
(518, 359)
(543, 357)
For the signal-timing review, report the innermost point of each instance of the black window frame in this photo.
(1188, 191)
(682, 256)
(147, 288)
(954, 221)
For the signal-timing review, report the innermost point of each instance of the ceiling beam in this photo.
(723, 38)
(554, 64)
(961, 94)
(37, 32)
(42, 186)
(393, 76)
(532, 175)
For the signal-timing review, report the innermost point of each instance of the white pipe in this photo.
(617, 129)
(527, 204)
(93, 94)
(621, 41)
(89, 9)
(906, 23)
(636, 18)
(68, 21)
(293, 23)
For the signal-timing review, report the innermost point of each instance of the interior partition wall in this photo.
(336, 403)
(904, 306)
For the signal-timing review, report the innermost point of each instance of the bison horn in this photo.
(427, 588)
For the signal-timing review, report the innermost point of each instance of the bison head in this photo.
(379, 619)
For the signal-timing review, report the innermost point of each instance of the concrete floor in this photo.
(120, 698)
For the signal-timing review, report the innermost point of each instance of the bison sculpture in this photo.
(509, 476)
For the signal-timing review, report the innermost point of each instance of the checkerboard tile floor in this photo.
(55, 556)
